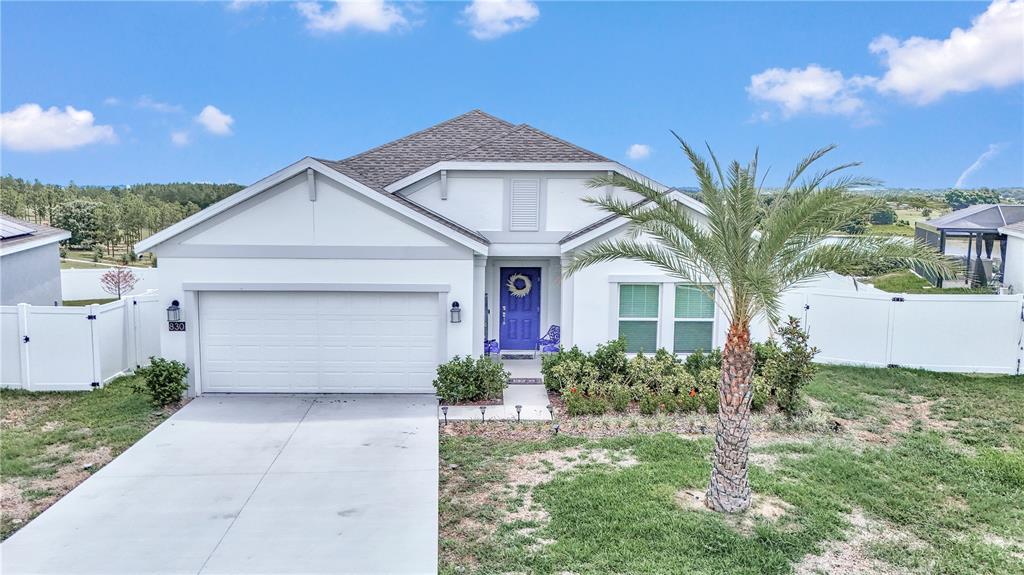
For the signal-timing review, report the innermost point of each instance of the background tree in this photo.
(959, 199)
(118, 281)
(750, 259)
(77, 217)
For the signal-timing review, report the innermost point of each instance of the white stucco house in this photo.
(363, 274)
(1013, 257)
(29, 262)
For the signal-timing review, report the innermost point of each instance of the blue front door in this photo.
(520, 308)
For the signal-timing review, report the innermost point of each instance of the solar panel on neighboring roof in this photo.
(9, 229)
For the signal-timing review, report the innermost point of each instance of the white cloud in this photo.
(812, 89)
(163, 107)
(30, 128)
(215, 121)
(489, 19)
(112, 101)
(240, 5)
(988, 54)
(180, 138)
(991, 152)
(638, 151)
(372, 15)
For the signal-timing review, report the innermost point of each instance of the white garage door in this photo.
(325, 342)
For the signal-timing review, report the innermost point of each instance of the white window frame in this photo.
(659, 337)
(713, 320)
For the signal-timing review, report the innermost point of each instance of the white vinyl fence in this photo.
(960, 333)
(85, 283)
(77, 348)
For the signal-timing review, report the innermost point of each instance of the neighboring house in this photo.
(1013, 257)
(973, 235)
(363, 274)
(29, 262)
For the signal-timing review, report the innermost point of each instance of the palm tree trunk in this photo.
(729, 490)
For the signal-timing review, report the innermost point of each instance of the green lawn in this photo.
(66, 264)
(81, 302)
(54, 440)
(925, 475)
(907, 281)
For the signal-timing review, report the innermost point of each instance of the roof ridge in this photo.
(567, 143)
(437, 125)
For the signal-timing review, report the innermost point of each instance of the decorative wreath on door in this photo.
(519, 285)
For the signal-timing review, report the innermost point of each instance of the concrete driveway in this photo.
(254, 484)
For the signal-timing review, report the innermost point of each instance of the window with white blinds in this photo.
(524, 212)
(638, 316)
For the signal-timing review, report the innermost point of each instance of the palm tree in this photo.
(753, 253)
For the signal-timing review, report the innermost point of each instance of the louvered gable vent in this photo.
(525, 210)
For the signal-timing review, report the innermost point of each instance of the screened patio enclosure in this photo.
(972, 236)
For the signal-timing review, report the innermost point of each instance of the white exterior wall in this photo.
(1014, 263)
(480, 200)
(476, 202)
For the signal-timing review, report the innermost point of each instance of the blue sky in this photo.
(207, 91)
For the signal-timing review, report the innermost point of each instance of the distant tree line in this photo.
(107, 217)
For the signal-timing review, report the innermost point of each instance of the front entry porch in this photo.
(522, 299)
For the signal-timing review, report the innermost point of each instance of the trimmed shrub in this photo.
(469, 379)
(164, 380)
(549, 362)
(619, 398)
(642, 375)
(762, 394)
(576, 403)
(610, 359)
(699, 360)
(689, 400)
(576, 375)
(791, 368)
(763, 351)
(667, 402)
(649, 404)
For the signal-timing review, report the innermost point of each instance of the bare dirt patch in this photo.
(1014, 547)
(895, 419)
(23, 498)
(532, 469)
(853, 556)
(513, 500)
(762, 508)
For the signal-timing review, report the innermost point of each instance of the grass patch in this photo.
(48, 438)
(80, 265)
(907, 281)
(84, 302)
(923, 503)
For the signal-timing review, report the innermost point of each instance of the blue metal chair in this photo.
(491, 347)
(551, 340)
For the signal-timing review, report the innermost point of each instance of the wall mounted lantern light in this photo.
(174, 312)
(174, 321)
(456, 312)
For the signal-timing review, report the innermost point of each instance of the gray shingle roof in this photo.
(35, 231)
(980, 217)
(472, 137)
